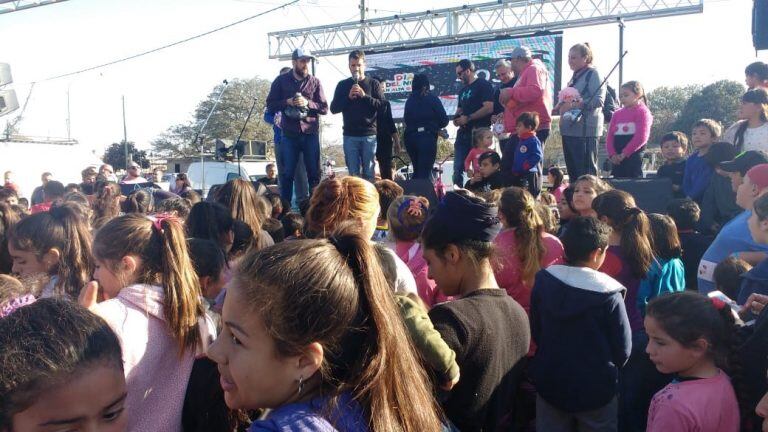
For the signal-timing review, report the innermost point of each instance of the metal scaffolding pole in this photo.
(480, 21)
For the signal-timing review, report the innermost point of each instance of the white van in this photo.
(216, 173)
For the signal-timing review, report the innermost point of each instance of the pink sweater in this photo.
(473, 158)
(531, 93)
(701, 405)
(637, 121)
(412, 255)
(156, 376)
(508, 269)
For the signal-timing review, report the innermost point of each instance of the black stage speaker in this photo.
(651, 195)
(760, 24)
(420, 187)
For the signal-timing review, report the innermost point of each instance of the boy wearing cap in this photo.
(580, 326)
(734, 238)
(300, 99)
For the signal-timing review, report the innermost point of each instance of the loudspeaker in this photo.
(760, 24)
(8, 102)
(651, 195)
(420, 187)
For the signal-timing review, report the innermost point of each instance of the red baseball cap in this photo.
(758, 176)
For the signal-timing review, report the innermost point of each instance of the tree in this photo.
(717, 101)
(115, 155)
(666, 104)
(226, 122)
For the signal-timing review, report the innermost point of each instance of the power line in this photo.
(172, 44)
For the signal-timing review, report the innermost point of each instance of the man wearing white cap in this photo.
(300, 98)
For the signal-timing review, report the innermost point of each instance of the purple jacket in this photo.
(285, 87)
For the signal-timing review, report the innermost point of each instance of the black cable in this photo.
(171, 44)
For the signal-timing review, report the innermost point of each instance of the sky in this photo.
(163, 88)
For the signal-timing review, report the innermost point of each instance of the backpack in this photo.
(610, 104)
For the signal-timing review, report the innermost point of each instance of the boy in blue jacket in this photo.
(580, 327)
(698, 172)
(528, 154)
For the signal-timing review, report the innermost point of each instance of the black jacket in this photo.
(359, 114)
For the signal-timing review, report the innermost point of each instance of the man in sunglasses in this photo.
(134, 175)
(474, 111)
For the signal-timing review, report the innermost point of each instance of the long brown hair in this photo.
(163, 250)
(61, 228)
(338, 289)
(106, 205)
(8, 219)
(633, 224)
(240, 197)
(519, 210)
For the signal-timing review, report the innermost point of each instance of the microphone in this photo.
(226, 82)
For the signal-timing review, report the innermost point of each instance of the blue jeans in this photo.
(359, 155)
(300, 186)
(461, 148)
(292, 148)
(422, 149)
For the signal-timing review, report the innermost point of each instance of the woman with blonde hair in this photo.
(351, 199)
(240, 197)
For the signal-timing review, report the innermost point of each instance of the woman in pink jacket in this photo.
(154, 307)
(530, 93)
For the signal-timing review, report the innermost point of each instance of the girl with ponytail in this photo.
(106, 205)
(154, 305)
(523, 247)
(56, 243)
(692, 337)
(629, 260)
(630, 251)
(751, 131)
(309, 333)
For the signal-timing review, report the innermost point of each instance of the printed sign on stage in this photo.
(397, 68)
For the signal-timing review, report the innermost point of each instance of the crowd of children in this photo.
(497, 308)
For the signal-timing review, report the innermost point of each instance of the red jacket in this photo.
(531, 94)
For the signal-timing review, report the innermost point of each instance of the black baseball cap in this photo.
(744, 161)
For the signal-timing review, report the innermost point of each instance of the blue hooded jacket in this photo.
(582, 333)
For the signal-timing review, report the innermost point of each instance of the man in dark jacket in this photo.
(358, 99)
(300, 98)
(580, 327)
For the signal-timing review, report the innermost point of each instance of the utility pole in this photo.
(362, 21)
(69, 119)
(125, 136)
(621, 51)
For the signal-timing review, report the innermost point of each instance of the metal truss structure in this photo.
(480, 21)
(7, 6)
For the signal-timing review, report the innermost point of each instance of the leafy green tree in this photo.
(666, 104)
(226, 122)
(718, 101)
(115, 155)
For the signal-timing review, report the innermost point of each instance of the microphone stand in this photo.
(588, 103)
(202, 127)
(238, 149)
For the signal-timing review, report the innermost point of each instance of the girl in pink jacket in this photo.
(629, 131)
(523, 247)
(154, 307)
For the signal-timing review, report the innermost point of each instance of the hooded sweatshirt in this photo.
(580, 325)
(156, 376)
